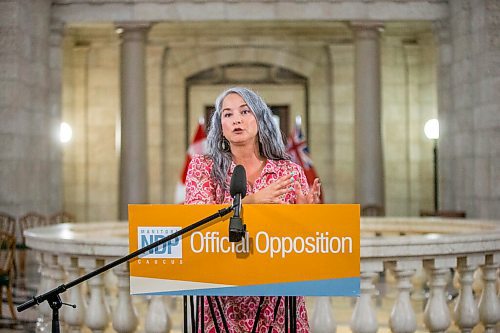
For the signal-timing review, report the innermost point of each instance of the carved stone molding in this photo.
(367, 29)
(234, 10)
(133, 30)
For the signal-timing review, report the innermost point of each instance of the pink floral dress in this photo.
(239, 312)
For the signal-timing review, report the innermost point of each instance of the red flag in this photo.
(299, 152)
(197, 147)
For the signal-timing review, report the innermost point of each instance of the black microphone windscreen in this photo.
(238, 181)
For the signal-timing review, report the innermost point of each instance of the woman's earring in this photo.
(224, 145)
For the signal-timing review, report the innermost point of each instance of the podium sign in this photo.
(307, 250)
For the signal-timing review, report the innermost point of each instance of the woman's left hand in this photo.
(314, 195)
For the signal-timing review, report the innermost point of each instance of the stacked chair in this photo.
(12, 229)
(62, 217)
(7, 253)
(28, 221)
(7, 223)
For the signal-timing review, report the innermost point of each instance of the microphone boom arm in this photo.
(53, 298)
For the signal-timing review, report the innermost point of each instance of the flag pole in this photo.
(298, 121)
(196, 147)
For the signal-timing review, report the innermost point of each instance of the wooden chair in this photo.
(7, 223)
(28, 221)
(61, 217)
(7, 248)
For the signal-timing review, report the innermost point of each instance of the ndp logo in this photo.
(171, 249)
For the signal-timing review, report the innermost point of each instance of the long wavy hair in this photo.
(271, 145)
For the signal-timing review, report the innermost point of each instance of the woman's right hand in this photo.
(273, 193)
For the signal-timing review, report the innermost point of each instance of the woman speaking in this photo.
(243, 132)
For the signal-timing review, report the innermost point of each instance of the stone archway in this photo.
(255, 74)
(176, 84)
(181, 66)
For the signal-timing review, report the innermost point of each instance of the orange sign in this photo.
(287, 250)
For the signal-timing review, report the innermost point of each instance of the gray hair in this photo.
(271, 145)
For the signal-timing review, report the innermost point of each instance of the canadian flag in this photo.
(299, 152)
(197, 147)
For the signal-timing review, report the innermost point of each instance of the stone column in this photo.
(369, 161)
(133, 149)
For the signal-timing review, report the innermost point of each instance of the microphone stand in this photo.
(53, 298)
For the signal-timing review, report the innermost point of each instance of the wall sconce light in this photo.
(65, 132)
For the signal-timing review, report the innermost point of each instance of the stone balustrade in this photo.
(415, 258)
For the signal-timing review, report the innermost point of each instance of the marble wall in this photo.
(30, 165)
(469, 108)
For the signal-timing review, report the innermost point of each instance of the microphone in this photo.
(238, 190)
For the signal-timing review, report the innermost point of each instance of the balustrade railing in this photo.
(417, 274)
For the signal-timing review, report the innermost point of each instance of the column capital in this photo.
(367, 29)
(127, 30)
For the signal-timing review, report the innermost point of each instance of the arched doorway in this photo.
(285, 91)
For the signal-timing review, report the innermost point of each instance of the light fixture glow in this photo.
(431, 129)
(65, 132)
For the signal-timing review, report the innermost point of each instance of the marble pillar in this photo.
(369, 159)
(133, 147)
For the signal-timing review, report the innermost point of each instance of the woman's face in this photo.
(239, 125)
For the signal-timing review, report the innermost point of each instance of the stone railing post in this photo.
(73, 317)
(466, 311)
(402, 318)
(124, 314)
(97, 314)
(158, 317)
(322, 320)
(58, 276)
(46, 283)
(436, 314)
(489, 304)
(364, 318)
